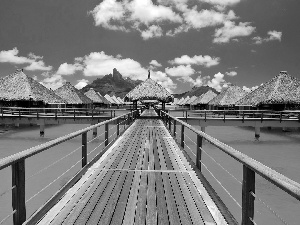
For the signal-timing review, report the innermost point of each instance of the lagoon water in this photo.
(276, 149)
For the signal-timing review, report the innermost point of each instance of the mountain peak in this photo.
(116, 75)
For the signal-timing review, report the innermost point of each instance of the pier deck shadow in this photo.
(143, 178)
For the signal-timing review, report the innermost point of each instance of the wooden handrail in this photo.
(281, 181)
(250, 168)
(8, 161)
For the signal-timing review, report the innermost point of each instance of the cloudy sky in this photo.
(183, 42)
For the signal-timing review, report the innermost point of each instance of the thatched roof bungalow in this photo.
(228, 97)
(282, 89)
(179, 101)
(193, 98)
(108, 98)
(73, 96)
(21, 90)
(149, 90)
(204, 98)
(120, 100)
(116, 100)
(185, 100)
(96, 97)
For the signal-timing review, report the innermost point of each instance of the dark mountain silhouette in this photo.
(197, 91)
(113, 84)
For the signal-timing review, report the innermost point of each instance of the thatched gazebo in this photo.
(203, 100)
(103, 99)
(179, 101)
(149, 90)
(73, 96)
(109, 99)
(18, 89)
(228, 97)
(185, 100)
(281, 91)
(95, 97)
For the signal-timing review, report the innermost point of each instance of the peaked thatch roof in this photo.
(120, 100)
(180, 100)
(103, 99)
(185, 100)
(193, 98)
(94, 96)
(149, 90)
(72, 95)
(116, 100)
(18, 86)
(281, 89)
(229, 96)
(204, 98)
(108, 98)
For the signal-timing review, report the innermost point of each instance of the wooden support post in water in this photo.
(18, 193)
(84, 149)
(247, 197)
(42, 130)
(182, 136)
(257, 132)
(95, 131)
(106, 134)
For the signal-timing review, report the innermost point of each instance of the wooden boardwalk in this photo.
(143, 178)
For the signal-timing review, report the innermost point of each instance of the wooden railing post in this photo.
(84, 149)
(199, 152)
(224, 116)
(182, 135)
(247, 197)
(74, 115)
(170, 124)
(118, 127)
(106, 134)
(18, 193)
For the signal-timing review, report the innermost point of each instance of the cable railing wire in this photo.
(96, 148)
(44, 188)
(9, 215)
(57, 161)
(8, 190)
(221, 185)
(95, 137)
(269, 208)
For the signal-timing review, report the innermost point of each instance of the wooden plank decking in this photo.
(143, 178)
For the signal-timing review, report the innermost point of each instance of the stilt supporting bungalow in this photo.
(257, 132)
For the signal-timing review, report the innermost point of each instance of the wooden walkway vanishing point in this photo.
(143, 178)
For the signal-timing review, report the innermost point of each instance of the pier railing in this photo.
(241, 115)
(61, 112)
(19, 178)
(251, 167)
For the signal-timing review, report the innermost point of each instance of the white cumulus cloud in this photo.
(35, 62)
(155, 63)
(231, 30)
(217, 81)
(231, 73)
(273, 36)
(81, 83)
(69, 69)
(151, 32)
(53, 81)
(205, 60)
(180, 71)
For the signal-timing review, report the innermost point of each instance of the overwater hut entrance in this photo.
(149, 92)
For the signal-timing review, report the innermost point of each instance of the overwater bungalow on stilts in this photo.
(149, 90)
(202, 101)
(227, 98)
(20, 90)
(97, 98)
(74, 97)
(280, 93)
